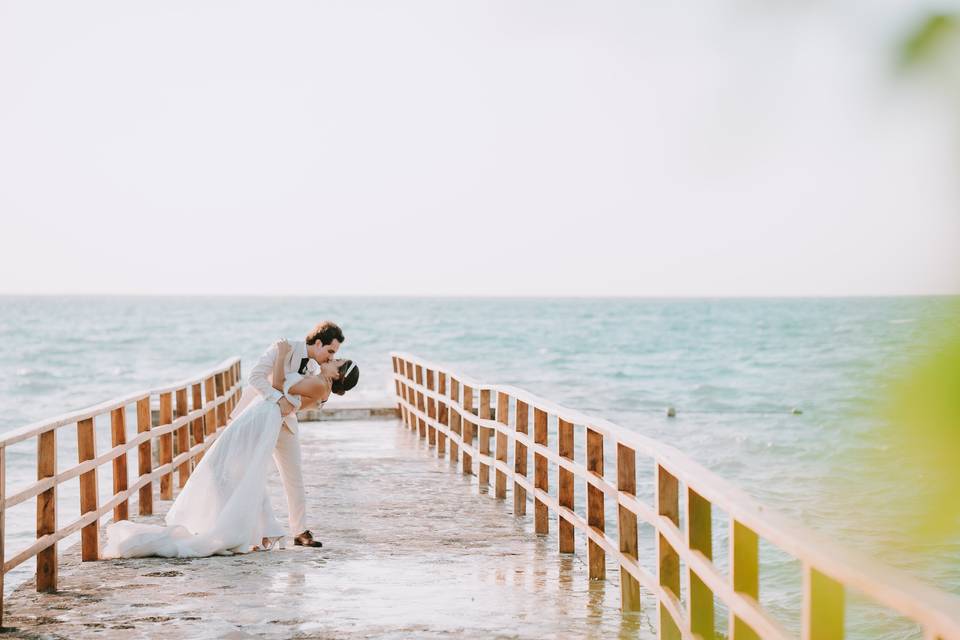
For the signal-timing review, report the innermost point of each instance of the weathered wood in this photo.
(412, 399)
(700, 538)
(221, 409)
(228, 375)
(455, 423)
(183, 436)
(431, 411)
(118, 436)
(196, 427)
(483, 437)
(443, 414)
(596, 557)
(745, 574)
(421, 424)
(467, 430)
(145, 457)
(166, 445)
(541, 476)
(47, 511)
(89, 497)
(823, 606)
(565, 483)
(627, 526)
(396, 382)
(522, 425)
(210, 417)
(668, 564)
(503, 412)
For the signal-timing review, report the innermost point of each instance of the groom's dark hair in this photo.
(326, 332)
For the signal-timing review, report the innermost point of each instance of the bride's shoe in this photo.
(267, 544)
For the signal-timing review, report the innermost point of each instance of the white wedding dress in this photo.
(224, 507)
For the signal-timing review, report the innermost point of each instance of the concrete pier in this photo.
(411, 550)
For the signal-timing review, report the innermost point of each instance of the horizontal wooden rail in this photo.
(829, 570)
(195, 429)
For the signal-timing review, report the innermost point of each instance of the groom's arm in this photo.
(258, 375)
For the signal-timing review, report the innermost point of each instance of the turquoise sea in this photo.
(734, 369)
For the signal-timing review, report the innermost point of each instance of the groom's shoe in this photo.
(305, 539)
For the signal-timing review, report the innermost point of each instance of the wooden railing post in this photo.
(166, 445)
(412, 400)
(89, 496)
(520, 459)
(228, 388)
(237, 378)
(404, 392)
(595, 510)
(483, 435)
(222, 409)
(431, 410)
(411, 396)
(503, 414)
(456, 425)
(396, 382)
(422, 425)
(118, 436)
(823, 606)
(467, 430)
(745, 574)
(145, 456)
(210, 417)
(627, 526)
(196, 426)
(700, 538)
(183, 437)
(541, 479)
(668, 560)
(47, 511)
(443, 414)
(565, 486)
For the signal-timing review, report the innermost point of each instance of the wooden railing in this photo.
(182, 433)
(440, 405)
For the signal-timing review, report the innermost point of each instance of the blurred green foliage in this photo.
(924, 420)
(924, 42)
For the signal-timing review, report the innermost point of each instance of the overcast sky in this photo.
(471, 148)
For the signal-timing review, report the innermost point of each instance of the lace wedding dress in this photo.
(224, 507)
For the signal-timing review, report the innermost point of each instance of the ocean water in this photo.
(734, 369)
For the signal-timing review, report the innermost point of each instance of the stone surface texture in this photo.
(412, 549)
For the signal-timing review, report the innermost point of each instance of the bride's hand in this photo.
(283, 348)
(286, 407)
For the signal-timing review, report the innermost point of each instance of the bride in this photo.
(224, 507)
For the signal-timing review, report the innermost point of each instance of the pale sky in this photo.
(740, 147)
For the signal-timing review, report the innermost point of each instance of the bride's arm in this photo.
(312, 389)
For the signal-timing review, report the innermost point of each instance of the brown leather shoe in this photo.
(305, 539)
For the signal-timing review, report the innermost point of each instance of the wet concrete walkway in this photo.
(411, 550)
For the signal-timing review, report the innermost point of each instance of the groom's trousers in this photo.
(287, 457)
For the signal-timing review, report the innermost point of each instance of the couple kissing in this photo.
(224, 507)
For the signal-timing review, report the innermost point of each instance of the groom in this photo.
(306, 356)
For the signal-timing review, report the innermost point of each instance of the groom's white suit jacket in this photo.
(259, 379)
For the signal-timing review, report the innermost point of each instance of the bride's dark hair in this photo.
(349, 375)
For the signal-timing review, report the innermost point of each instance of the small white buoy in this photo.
(796, 411)
(671, 412)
